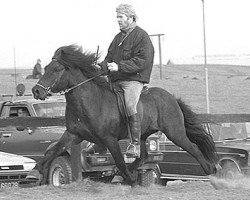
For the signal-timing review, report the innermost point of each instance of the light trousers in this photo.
(132, 91)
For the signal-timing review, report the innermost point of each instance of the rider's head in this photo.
(125, 16)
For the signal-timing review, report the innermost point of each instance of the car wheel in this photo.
(229, 170)
(150, 177)
(60, 172)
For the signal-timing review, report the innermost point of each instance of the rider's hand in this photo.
(112, 67)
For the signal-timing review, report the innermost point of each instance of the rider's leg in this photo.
(135, 129)
(132, 92)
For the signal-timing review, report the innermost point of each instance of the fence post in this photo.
(76, 163)
(160, 53)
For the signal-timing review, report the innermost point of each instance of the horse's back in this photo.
(158, 97)
(159, 106)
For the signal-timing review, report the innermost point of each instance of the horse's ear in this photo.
(79, 48)
(62, 51)
(62, 54)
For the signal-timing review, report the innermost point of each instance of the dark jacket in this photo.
(134, 56)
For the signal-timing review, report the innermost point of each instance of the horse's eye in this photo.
(66, 68)
(58, 69)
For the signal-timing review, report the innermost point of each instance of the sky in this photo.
(32, 29)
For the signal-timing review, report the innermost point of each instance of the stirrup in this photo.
(133, 150)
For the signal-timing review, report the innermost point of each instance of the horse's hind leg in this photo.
(66, 141)
(177, 134)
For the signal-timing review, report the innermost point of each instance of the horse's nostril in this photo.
(35, 92)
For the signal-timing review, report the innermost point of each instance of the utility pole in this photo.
(205, 58)
(160, 55)
(15, 73)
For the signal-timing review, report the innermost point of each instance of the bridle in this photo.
(48, 89)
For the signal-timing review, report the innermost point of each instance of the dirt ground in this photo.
(177, 190)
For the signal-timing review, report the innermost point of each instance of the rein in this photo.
(75, 86)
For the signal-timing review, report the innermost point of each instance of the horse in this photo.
(92, 114)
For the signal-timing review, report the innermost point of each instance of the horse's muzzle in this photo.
(39, 92)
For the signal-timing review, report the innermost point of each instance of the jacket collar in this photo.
(129, 29)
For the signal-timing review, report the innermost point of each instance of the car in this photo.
(231, 133)
(14, 169)
(28, 140)
(43, 125)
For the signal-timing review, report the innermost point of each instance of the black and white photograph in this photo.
(125, 99)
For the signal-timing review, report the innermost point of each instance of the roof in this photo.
(29, 99)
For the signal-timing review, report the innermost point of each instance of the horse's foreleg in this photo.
(139, 161)
(66, 141)
(114, 148)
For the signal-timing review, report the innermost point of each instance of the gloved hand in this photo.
(112, 66)
(103, 65)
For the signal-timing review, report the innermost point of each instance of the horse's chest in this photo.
(77, 125)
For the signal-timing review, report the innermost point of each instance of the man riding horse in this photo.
(93, 115)
(130, 61)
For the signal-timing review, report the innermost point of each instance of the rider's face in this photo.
(123, 20)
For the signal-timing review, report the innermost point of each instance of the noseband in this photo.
(48, 89)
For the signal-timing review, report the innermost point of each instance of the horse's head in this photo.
(63, 72)
(51, 81)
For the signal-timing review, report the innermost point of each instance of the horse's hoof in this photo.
(217, 183)
(117, 179)
(34, 175)
(134, 185)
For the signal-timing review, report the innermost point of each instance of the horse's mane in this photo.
(73, 56)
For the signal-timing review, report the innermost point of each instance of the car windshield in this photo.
(227, 131)
(50, 109)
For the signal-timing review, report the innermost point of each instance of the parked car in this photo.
(33, 134)
(14, 169)
(28, 140)
(231, 134)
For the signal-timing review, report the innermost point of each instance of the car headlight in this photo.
(152, 145)
(28, 166)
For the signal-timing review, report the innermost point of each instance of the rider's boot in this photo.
(135, 129)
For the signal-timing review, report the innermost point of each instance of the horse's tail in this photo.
(197, 133)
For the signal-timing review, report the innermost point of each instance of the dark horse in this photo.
(92, 114)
